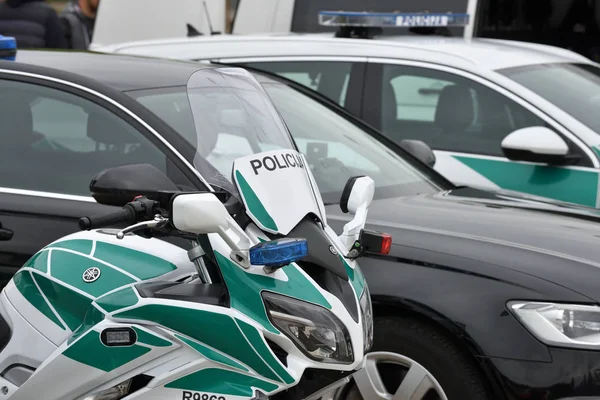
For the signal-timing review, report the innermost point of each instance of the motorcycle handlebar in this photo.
(124, 215)
(140, 209)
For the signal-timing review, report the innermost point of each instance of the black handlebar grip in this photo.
(125, 215)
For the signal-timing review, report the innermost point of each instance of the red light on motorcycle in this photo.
(386, 243)
(375, 242)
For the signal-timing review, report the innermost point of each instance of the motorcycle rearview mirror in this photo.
(119, 185)
(278, 253)
(356, 199)
(204, 213)
(357, 193)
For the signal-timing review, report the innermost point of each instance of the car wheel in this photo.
(412, 360)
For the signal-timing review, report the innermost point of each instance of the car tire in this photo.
(431, 349)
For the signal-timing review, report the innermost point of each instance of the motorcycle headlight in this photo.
(561, 325)
(317, 332)
(367, 312)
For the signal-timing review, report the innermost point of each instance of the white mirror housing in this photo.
(203, 213)
(199, 213)
(535, 144)
(356, 199)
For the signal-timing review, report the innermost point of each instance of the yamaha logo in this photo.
(333, 250)
(91, 275)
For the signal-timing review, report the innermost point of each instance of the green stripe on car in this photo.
(564, 184)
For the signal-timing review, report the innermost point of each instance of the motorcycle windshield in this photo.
(233, 117)
(244, 147)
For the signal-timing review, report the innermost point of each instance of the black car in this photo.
(483, 295)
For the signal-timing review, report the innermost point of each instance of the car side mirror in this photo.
(420, 150)
(536, 144)
(356, 199)
(119, 185)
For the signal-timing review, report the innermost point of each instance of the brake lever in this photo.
(157, 223)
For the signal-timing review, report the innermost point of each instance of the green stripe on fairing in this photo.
(69, 268)
(93, 317)
(38, 261)
(26, 285)
(137, 263)
(261, 347)
(80, 245)
(151, 339)
(356, 277)
(565, 184)
(70, 305)
(254, 205)
(221, 381)
(125, 297)
(142, 265)
(245, 288)
(211, 354)
(90, 351)
(218, 331)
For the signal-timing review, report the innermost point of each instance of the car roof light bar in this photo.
(392, 20)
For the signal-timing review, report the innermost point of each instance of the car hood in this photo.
(550, 240)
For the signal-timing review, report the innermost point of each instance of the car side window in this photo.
(447, 111)
(54, 141)
(330, 78)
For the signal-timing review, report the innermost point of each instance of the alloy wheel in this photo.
(405, 380)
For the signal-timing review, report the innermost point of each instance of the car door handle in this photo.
(5, 234)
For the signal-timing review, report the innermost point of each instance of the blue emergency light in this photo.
(8, 48)
(278, 253)
(392, 20)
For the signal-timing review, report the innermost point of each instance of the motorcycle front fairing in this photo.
(259, 164)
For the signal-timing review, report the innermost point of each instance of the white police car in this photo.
(499, 114)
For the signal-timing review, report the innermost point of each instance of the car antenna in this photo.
(212, 32)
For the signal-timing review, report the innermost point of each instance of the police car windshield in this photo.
(336, 148)
(574, 88)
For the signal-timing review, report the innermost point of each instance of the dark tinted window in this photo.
(306, 12)
(447, 111)
(572, 24)
(330, 78)
(57, 142)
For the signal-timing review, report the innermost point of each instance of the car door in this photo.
(464, 119)
(54, 140)
(338, 78)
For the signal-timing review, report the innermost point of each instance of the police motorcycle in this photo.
(268, 303)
